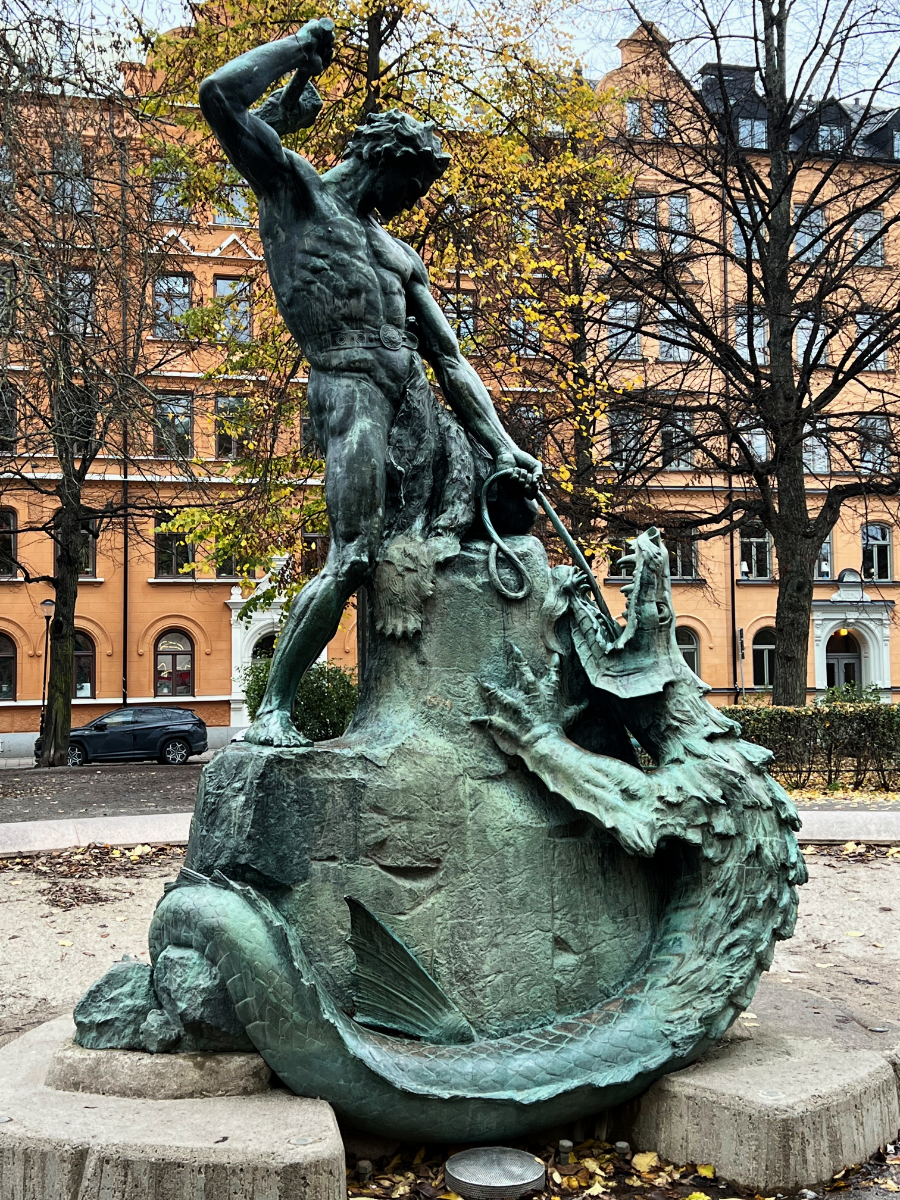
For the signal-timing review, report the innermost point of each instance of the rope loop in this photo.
(500, 547)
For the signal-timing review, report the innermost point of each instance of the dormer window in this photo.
(752, 133)
(830, 139)
(897, 143)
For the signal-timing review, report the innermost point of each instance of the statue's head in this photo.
(403, 155)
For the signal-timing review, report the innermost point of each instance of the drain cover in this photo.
(494, 1173)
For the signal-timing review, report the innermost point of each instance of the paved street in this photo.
(109, 790)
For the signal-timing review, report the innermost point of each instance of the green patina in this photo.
(480, 911)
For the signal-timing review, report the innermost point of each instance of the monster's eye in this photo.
(663, 612)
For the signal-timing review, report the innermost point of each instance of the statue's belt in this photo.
(388, 337)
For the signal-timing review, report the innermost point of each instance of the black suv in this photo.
(170, 735)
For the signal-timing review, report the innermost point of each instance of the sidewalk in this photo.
(18, 764)
(820, 827)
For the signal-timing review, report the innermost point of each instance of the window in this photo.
(647, 216)
(87, 554)
(229, 442)
(689, 645)
(527, 427)
(173, 551)
(752, 133)
(876, 552)
(174, 665)
(897, 143)
(633, 121)
(236, 207)
(874, 444)
(830, 138)
(7, 299)
(461, 311)
(166, 196)
(679, 223)
(72, 189)
(764, 658)
(870, 343)
(172, 427)
(171, 300)
(9, 417)
(751, 335)
(757, 441)
(623, 337)
(868, 239)
(265, 647)
(824, 568)
(234, 297)
(756, 552)
(77, 302)
(811, 342)
(660, 119)
(626, 438)
(809, 232)
(227, 568)
(745, 231)
(7, 174)
(524, 334)
(8, 547)
(682, 555)
(677, 438)
(7, 668)
(83, 675)
(674, 345)
(816, 457)
(616, 228)
(526, 216)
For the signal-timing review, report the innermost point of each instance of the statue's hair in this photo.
(399, 139)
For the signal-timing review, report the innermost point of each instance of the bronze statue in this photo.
(346, 290)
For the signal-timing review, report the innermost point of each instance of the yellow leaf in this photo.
(706, 1170)
(645, 1161)
(854, 933)
(698, 1196)
(64, 943)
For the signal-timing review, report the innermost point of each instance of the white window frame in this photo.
(745, 321)
(756, 552)
(623, 336)
(808, 233)
(878, 547)
(867, 227)
(676, 435)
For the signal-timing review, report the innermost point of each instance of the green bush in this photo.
(848, 741)
(325, 700)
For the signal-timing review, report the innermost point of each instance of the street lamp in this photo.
(48, 607)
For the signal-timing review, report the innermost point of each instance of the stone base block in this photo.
(156, 1076)
(76, 1145)
(773, 1113)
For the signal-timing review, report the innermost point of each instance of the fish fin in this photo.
(392, 990)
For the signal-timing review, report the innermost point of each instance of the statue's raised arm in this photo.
(252, 138)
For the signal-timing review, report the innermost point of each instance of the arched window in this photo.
(7, 668)
(689, 645)
(83, 676)
(764, 658)
(174, 664)
(265, 647)
(876, 552)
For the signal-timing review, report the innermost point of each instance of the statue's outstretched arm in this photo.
(460, 382)
(252, 140)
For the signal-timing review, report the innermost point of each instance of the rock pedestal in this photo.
(517, 907)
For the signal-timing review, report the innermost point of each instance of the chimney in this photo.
(644, 42)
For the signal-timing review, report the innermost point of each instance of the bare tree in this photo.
(753, 325)
(88, 220)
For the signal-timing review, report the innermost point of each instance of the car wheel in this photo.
(77, 756)
(175, 753)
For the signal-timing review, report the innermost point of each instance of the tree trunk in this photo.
(792, 614)
(58, 713)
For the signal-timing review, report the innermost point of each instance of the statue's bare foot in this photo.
(275, 728)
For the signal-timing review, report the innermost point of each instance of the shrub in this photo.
(848, 740)
(325, 700)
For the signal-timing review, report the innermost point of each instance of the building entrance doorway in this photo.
(843, 661)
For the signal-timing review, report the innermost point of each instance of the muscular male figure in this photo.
(345, 289)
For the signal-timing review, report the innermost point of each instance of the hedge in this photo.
(325, 700)
(833, 743)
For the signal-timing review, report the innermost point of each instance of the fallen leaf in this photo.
(698, 1196)
(646, 1160)
(706, 1170)
(854, 933)
(64, 943)
(556, 1177)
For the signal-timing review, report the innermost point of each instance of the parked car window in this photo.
(123, 716)
(174, 664)
(83, 674)
(7, 668)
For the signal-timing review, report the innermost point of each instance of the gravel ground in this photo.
(110, 790)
